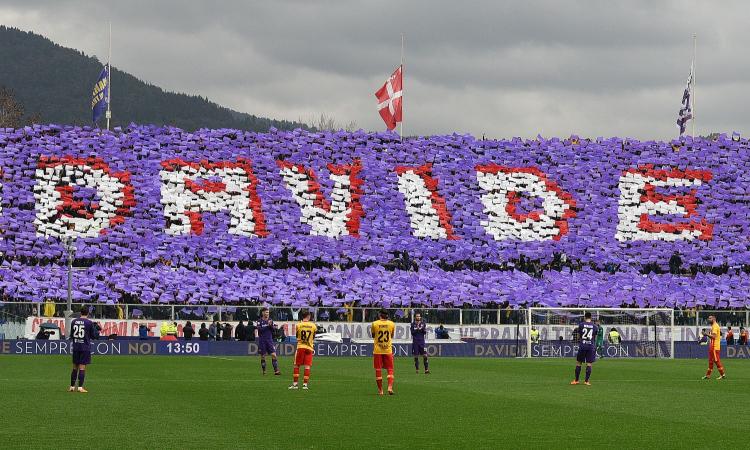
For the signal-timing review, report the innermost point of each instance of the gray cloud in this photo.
(499, 68)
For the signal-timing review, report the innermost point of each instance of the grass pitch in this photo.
(202, 402)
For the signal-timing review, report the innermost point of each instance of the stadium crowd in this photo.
(158, 216)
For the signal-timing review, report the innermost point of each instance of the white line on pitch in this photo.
(216, 357)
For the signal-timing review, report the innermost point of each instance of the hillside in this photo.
(55, 82)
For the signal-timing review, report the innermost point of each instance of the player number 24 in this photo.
(587, 332)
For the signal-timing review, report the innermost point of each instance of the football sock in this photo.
(588, 372)
(416, 363)
(296, 374)
(73, 376)
(578, 372)
(263, 363)
(390, 379)
(81, 376)
(275, 363)
(307, 375)
(426, 364)
(721, 370)
(379, 379)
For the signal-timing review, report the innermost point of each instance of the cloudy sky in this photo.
(500, 68)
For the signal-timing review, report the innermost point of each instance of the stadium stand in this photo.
(160, 215)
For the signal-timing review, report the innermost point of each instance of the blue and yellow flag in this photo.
(99, 95)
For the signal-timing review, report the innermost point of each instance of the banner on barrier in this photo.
(488, 349)
(359, 330)
(481, 349)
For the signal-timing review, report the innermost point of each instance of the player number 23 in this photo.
(384, 336)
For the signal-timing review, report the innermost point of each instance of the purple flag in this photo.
(686, 111)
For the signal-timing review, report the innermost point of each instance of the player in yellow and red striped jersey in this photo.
(382, 352)
(714, 350)
(304, 355)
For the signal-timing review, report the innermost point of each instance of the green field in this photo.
(203, 402)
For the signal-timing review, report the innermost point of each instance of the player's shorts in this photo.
(266, 347)
(382, 361)
(714, 355)
(418, 349)
(303, 357)
(81, 357)
(587, 355)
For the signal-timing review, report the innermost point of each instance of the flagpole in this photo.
(692, 96)
(109, 76)
(401, 132)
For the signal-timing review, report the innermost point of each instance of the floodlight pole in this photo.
(109, 77)
(692, 94)
(401, 124)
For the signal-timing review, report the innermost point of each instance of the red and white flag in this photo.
(389, 99)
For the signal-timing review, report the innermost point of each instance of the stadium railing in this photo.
(447, 316)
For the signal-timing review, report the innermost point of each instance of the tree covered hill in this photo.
(54, 84)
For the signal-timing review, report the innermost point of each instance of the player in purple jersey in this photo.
(587, 332)
(81, 332)
(418, 332)
(265, 327)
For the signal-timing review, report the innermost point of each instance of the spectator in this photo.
(227, 332)
(49, 308)
(188, 331)
(142, 332)
(250, 330)
(703, 340)
(675, 264)
(534, 335)
(730, 336)
(441, 333)
(325, 315)
(599, 338)
(240, 332)
(43, 334)
(97, 331)
(168, 331)
(614, 336)
(576, 336)
(203, 332)
(743, 336)
(278, 334)
(213, 331)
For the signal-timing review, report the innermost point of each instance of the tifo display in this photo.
(160, 214)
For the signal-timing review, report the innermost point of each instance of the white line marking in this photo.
(216, 357)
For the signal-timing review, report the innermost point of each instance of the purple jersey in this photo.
(418, 332)
(587, 332)
(265, 330)
(81, 332)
